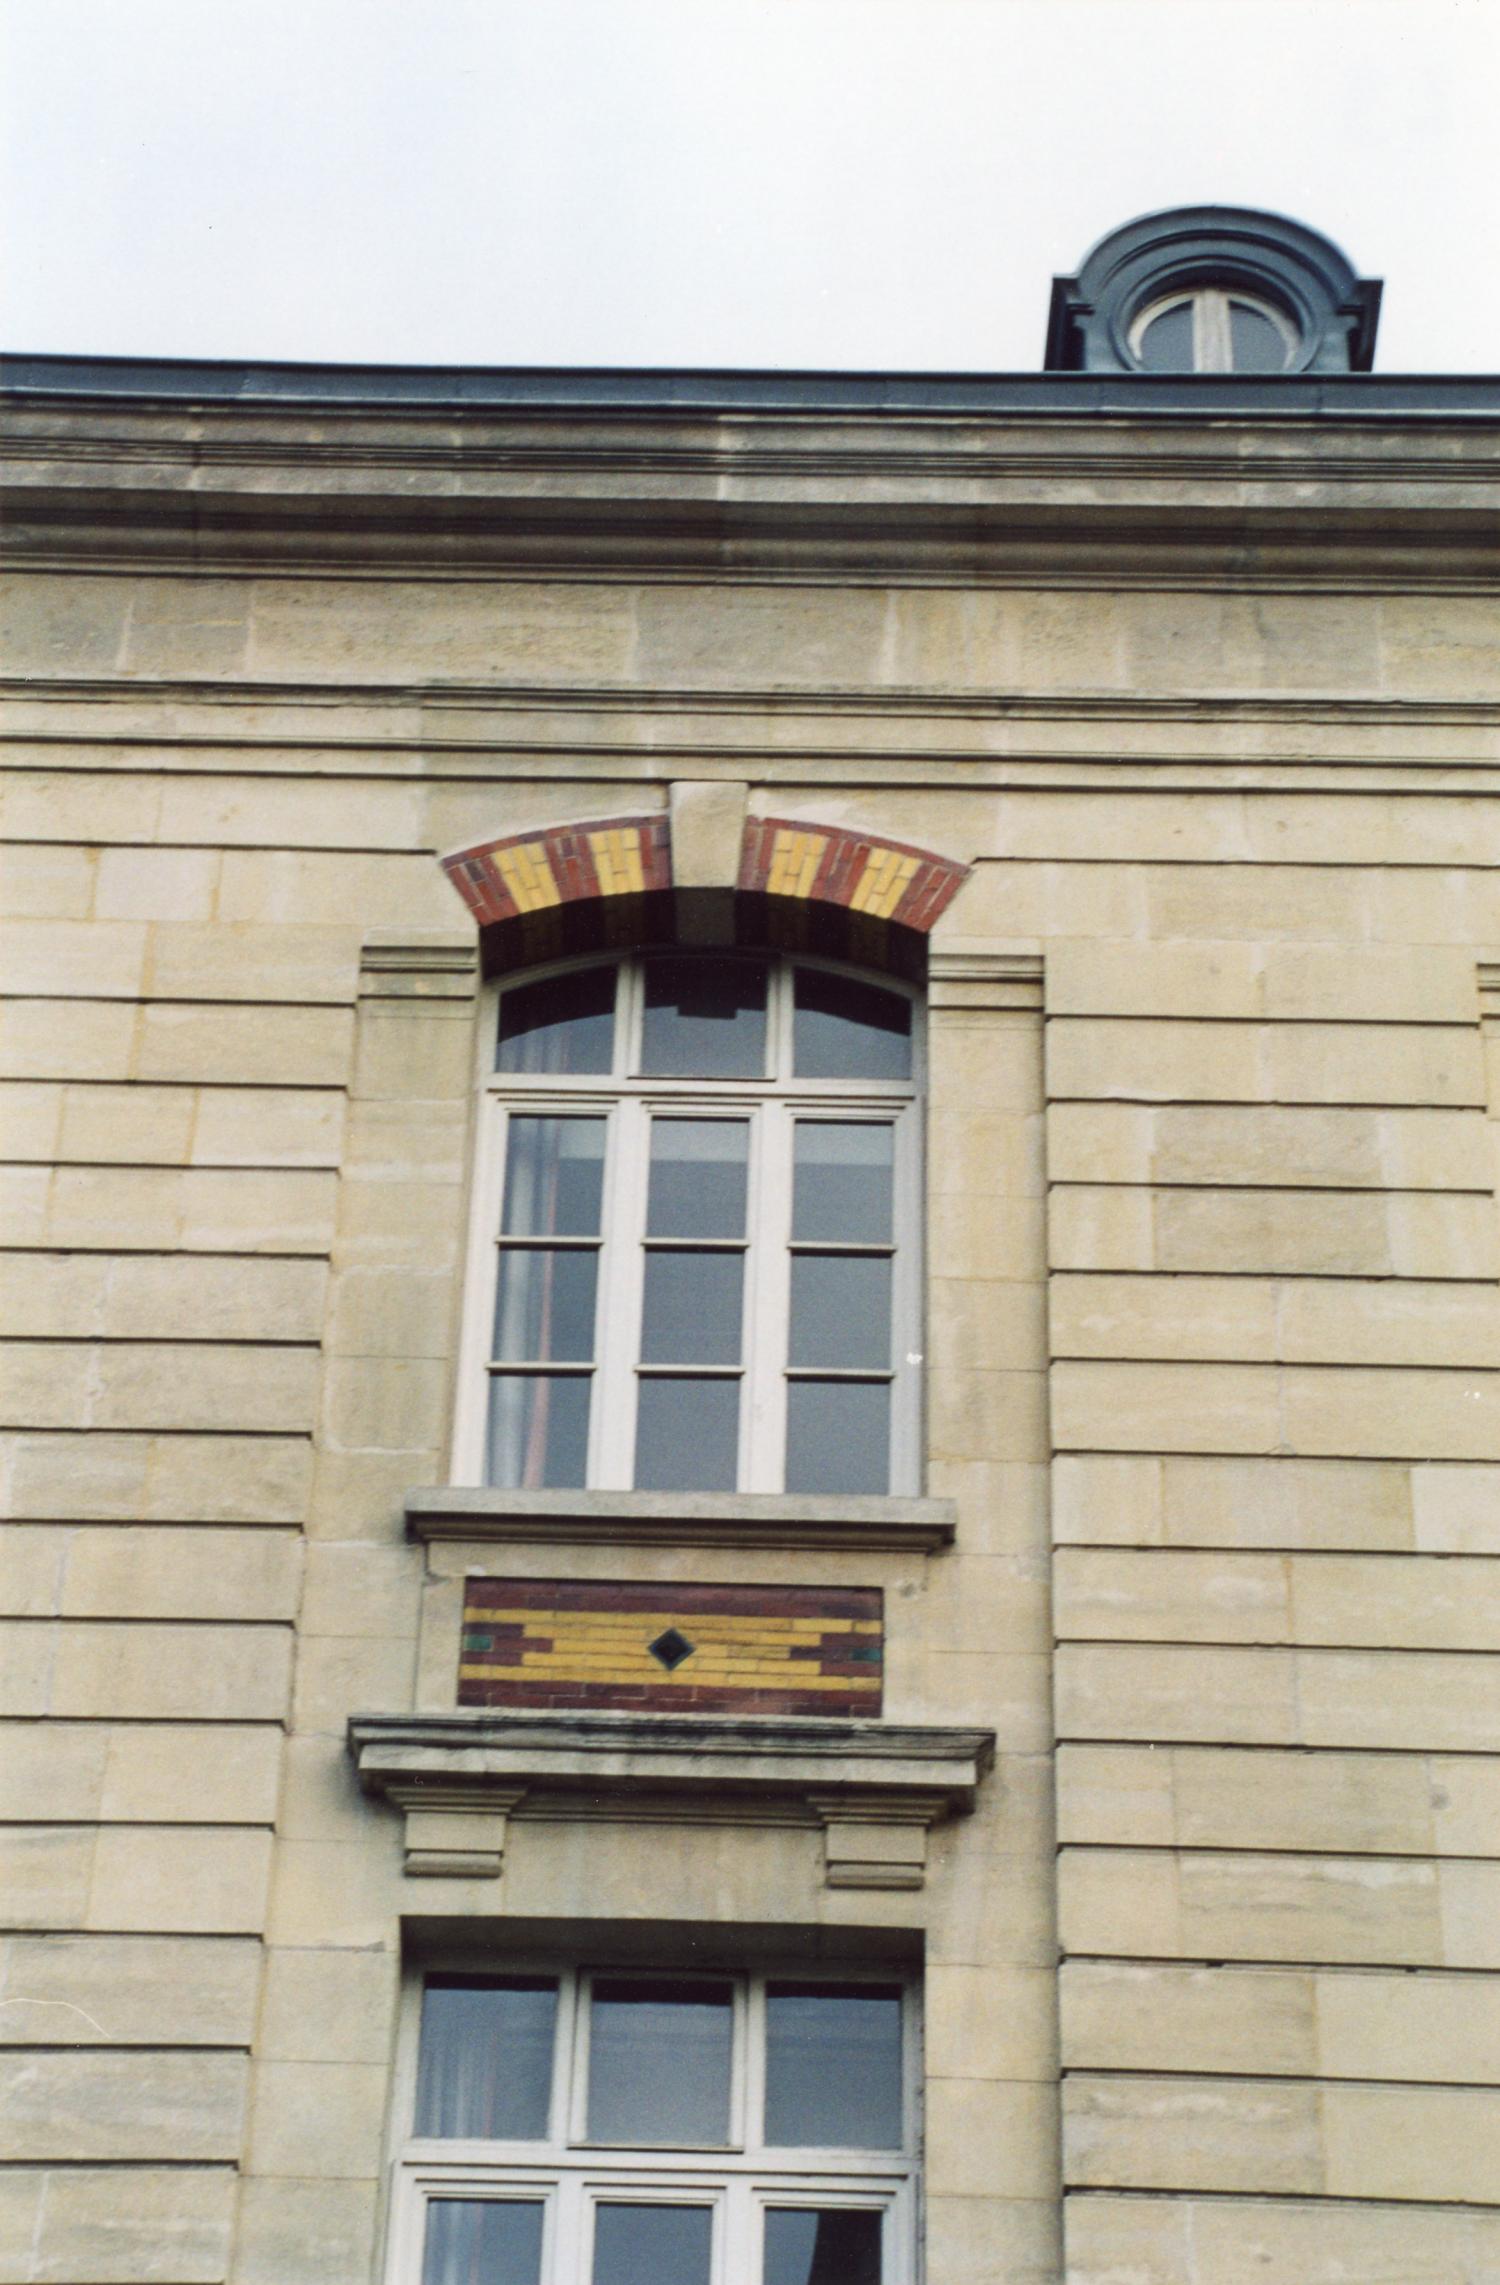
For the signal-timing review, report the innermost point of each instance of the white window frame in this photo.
(1213, 341)
(740, 2180)
(628, 1103)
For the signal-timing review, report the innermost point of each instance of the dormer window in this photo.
(1213, 289)
(1212, 330)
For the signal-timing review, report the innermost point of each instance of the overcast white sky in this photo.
(835, 183)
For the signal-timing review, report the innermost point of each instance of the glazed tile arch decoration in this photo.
(522, 875)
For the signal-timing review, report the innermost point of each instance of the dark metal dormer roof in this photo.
(1277, 270)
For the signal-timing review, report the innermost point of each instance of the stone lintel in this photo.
(874, 1787)
(699, 1519)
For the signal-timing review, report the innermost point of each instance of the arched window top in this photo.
(836, 889)
(705, 1016)
(1213, 329)
(697, 1229)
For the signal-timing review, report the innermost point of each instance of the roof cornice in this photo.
(1058, 479)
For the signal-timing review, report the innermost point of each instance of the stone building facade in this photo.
(955, 919)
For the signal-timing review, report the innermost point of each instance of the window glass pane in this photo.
(842, 1029)
(697, 1185)
(838, 1436)
(687, 1435)
(705, 1018)
(829, 2248)
(539, 1430)
(841, 1310)
(544, 1306)
(1166, 345)
(659, 2060)
(693, 1308)
(554, 1178)
(652, 2245)
(483, 2241)
(486, 2057)
(1257, 344)
(841, 1189)
(833, 2066)
(564, 1024)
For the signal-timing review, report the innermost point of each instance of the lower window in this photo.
(612, 2127)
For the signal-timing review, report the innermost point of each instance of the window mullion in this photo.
(755, 2064)
(1213, 350)
(621, 1285)
(763, 1429)
(568, 2233)
(737, 2263)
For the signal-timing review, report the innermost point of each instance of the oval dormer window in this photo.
(1212, 330)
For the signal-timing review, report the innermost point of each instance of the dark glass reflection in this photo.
(698, 1172)
(544, 1305)
(1256, 343)
(561, 1025)
(554, 1178)
(841, 1191)
(830, 2248)
(833, 2066)
(841, 1311)
(652, 2245)
(694, 1306)
(705, 1018)
(1166, 345)
(838, 1436)
(687, 1434)
(483, 2241)
(843, 1029)
(485, 2066)
(539, 1431)
(659, 2049)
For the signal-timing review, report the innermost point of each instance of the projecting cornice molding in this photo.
(875, 1788)
(968, 982)
(1345, 481)
(654, 1519)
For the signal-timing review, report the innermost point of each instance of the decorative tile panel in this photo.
(647, 1648)
(828, 864)
(529, 873)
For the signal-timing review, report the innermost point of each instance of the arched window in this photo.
(1213, 330)
(696, 1230)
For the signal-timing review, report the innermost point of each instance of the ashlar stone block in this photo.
(141, 2105)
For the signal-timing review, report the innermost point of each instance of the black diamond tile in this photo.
(670, 1649)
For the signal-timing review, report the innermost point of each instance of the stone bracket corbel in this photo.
(454, 1831)
(876, 1842)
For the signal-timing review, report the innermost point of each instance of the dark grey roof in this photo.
(522, 389)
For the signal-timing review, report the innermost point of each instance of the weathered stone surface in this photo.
(1236, 832)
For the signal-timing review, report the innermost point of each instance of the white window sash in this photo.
(628, 1104)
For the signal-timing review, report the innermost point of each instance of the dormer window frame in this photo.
(1213, 303)
(1286, 272)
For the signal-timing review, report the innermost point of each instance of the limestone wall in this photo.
(1214, 1379)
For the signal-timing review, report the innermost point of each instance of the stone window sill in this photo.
(873, 1787)
(698, 1519)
